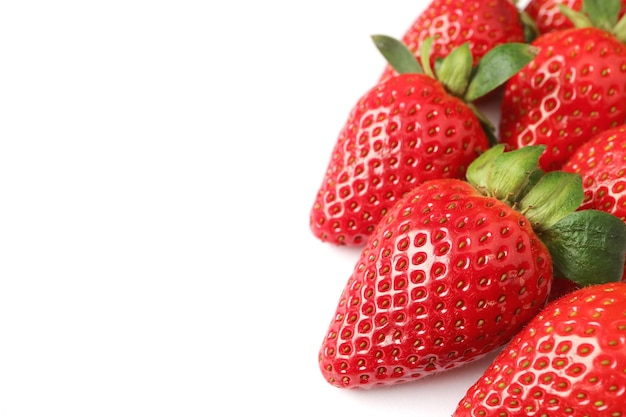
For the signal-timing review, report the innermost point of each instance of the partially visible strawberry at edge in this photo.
(451, 23)
(574, 89)
(568, 361)
(548, 17)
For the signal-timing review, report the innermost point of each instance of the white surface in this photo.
(158, 162)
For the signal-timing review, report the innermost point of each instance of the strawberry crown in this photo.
(601, 14)
(587, 246)
(456, 71)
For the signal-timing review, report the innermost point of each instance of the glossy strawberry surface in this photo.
(448, 276)
(401, 133)
(549, 18)
(601, 162)
(573, 89)
(568, 361)
(482, 23)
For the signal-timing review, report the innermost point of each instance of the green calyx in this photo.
(456, 71)
(587, 247)
(601, 14)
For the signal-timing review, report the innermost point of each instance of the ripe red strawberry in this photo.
(570, 360)
(573, 89)
(482, 23)
(453, 271)
(601, 161)
(548, 17)
(408, 129)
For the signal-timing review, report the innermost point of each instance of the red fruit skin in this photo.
(573, 89)
(549, 18)
(560, 287)
(568, 361)
(601, 161)
(448, 277)
(482, 23)
(403, 132)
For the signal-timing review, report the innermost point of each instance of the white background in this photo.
(158, 161)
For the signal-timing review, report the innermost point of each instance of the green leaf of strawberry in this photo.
(497, 66)
(602, 13)
(398, 53)
(455, 71)
(588, 246)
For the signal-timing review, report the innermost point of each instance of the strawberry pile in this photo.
(475, 239)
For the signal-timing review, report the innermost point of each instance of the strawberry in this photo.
(548, 16)
(570, 360)
(482, 23)
(454, 270)
(412, 127)
(601, 161)
(573, 89)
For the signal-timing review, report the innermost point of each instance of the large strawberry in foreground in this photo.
(569, 361)
(413, 127)
(574, 89)
(455, 270)
(483, 24)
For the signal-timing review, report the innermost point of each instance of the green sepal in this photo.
(620, 29)
(602, 13)
(425, 51)
(509, 176)
(533, 179)
(578, 19)
(497, 66)
(455, 69)
(587, 247)
(401, 59)
(505, 176)
(555, 195)
(478, 171)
